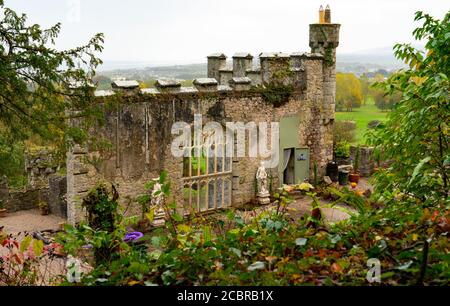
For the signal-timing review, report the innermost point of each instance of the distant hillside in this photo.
(367, 61)
(182, 72)
(382, 58)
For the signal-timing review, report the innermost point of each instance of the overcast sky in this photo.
(185, 31)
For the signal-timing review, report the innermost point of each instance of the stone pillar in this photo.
(241, 63)
(241, 83)
(255, 76)
(125, 87)
(216, 62)
(78, 183)
(226, 75)
(206, 84)
(298, 68)
(168, 86)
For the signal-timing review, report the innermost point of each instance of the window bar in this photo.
(190, 195)
(198, 197)
(190, 162)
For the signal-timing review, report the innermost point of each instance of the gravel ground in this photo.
(29, 221)
(302, 208)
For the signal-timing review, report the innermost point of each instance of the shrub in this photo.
(344, 131)
(342, 149)
(104, 230)
(27, 262)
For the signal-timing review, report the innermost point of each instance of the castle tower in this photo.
(324, 39)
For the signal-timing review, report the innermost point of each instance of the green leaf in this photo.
(207, 233)
(301, 241)
(156, 241)
(155, 254)
(257, 265)
(418, 168)
(387, 275)
(335, 238)
(177, 217)
(405, 266)
(151, 215)
(172, 205)
(230, 215)
(447, 161)
(25, 243)
(38, 247)
(236, 251)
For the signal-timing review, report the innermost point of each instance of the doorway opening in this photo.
(289, 166)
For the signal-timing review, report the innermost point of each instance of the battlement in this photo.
(241, 76)
(261, 72)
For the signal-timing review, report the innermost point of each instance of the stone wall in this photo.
(40, 165)
(53, 193)
(57, 195)
(366, 160)
(18, 200)
(138, 123)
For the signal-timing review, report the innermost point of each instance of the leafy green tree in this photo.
(415, 138)
(365, 87)
(383, 101)
(39, 84)
(348, 91)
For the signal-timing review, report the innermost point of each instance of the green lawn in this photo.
(362, 116)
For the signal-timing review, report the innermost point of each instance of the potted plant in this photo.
(342, 152)
(43, 207)
(3, 210)
(354, 176)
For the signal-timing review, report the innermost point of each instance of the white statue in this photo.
(157, 194)
(157, 200)
(261, 178)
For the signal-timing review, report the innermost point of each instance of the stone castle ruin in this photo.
(139, 127)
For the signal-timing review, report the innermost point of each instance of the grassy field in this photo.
(362, 116)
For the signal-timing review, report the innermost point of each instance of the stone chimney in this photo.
(327, 14)
(324, 39)
(321, 15)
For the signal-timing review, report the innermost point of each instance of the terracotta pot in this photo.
(3, 212)
(353, 178)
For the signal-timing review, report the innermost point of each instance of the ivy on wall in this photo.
(278, 91)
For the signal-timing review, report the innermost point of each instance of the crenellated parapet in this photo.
(240, 75)
(260, 72)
